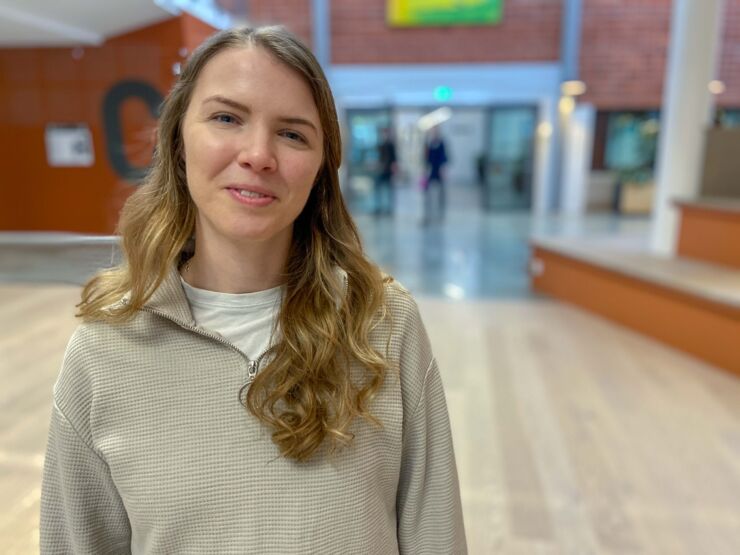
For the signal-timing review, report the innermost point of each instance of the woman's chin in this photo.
(256, 234)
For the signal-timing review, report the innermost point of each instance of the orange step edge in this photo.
(707, 330)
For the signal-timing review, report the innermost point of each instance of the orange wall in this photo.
(40, 86)
(194, 31)
(710, 234)
(706, 330)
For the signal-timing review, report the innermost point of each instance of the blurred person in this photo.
(246, 380)
(481, 168)
(481, 171)
(384, 194)
(435, 157)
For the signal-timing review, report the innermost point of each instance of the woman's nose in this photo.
(257, 151)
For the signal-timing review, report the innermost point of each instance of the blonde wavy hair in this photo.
(305, 393)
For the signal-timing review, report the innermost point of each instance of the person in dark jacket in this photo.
(384, 197)
(436, 158)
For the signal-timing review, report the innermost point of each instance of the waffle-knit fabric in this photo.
(150, 450)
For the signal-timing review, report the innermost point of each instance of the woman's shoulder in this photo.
(90, 341)
(398, 298)
(404, 318)
(87, 338)
(73, 390)
(93, 347)
(408, 346)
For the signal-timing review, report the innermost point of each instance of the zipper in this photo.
(252, 364)
(252, 371)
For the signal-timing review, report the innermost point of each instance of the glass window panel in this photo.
(632, 139)
(730, 118)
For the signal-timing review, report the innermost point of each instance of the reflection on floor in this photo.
(472, 254)
(469, 256)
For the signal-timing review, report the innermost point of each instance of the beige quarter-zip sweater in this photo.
(150, 450)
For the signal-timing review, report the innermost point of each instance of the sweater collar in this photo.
(169, 299)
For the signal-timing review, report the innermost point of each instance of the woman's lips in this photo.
(251, 196)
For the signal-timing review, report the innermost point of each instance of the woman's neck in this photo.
(231, 268)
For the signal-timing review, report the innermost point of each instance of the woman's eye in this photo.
(293, 136)
(224, 118)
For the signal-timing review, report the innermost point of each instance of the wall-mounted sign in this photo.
(69, 145)
(429, 13)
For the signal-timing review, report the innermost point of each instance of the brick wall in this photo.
(729, 67)
(529, 31)
(624, 52)
(294, 14)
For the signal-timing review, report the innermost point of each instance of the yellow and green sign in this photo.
(430, 13)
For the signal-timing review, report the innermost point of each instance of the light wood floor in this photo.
(572, 435)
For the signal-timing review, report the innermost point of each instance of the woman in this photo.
(247, 382)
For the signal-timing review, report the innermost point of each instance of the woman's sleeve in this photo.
(81, 511)
(428, 502)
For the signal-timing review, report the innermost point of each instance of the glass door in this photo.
(507, 168)
(365, 131)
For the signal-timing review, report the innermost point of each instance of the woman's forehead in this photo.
(253, 73)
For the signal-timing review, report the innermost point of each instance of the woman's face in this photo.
(253, 147)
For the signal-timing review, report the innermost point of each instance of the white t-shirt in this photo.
(244, 319)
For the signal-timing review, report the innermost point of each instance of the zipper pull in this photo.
(252, 370)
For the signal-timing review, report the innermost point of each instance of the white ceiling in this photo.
(28, 23)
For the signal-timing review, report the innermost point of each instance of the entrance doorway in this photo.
(490, 151)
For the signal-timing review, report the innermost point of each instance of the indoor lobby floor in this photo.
(573, 435)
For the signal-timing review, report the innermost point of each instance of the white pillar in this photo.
(692, 63)
(544, 178)
(321, 32)
(578, 138)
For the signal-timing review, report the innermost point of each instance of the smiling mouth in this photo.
(246, 193)
(251, 194)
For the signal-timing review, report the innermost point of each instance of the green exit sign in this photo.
(442, 94)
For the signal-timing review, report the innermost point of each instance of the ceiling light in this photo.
(573, 88)
(716, 87)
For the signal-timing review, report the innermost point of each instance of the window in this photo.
(631, 140)
(728, 117)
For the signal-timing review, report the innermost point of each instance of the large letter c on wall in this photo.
(112, 103)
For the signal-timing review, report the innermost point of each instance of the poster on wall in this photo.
(437, 13)
(69, 145)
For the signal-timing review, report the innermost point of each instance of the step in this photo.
(691, 305)
(46, 257)
(710, 230)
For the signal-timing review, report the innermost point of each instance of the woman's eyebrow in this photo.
(298, 121)
(292, 120)
(225, 100)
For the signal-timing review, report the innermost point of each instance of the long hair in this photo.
(306, 392)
